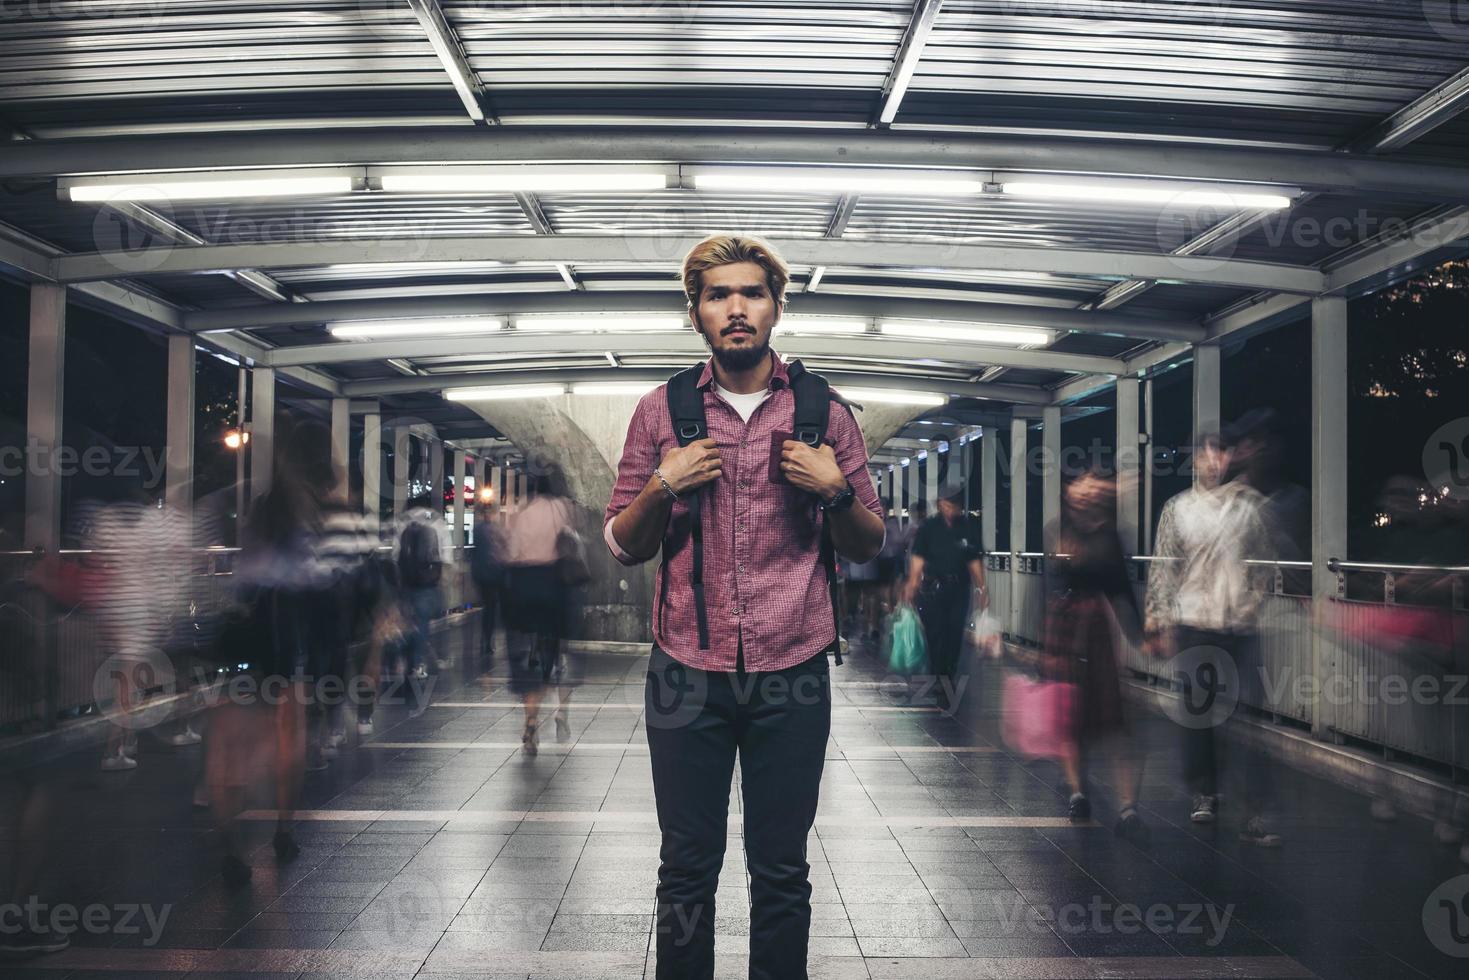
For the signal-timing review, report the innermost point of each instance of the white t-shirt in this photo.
(745, 405)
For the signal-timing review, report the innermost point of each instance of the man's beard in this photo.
(738, 359)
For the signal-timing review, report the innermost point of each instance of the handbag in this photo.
(1039, 716)
(907, 649)
(571, 558)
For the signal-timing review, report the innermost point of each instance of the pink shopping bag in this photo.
(1039, 716)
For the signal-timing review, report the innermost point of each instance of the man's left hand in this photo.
(813, 470)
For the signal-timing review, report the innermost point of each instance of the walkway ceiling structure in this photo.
(1349, 110)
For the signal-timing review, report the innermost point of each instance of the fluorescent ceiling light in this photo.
(426, 327)
(175, 187)
(968, 333)
(1105, 192)
(614, 387)
(599, 323)
(830, 181)
(525, 180)
(821, 324)
(500, 393)
(892, 396)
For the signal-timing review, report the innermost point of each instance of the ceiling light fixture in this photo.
(964, 333)
(426, 327)
(501, 393)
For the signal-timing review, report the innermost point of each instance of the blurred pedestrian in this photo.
(487, 569)
(946, 575)
(422, 552)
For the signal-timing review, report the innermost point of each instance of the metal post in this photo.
(931, 477)
(1018, 487)
(262, 431)
(966, 471)
(1127, 457)
(1050, 473)
(341, 442)
(47, 374)
(178, 488)
(401, 447)
(372, 467)
(1148, 466)
(1206, 392)
(503, 492)
(436, 474)
(989, 467)
(457, 532)
(915, 485)
(1328, 478)
(240, 454)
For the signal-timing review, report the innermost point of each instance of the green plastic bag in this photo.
(907, 651)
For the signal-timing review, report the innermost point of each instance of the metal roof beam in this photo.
(910, 52)
(450, 51)
(1419, 117)
(672, 301)
(513, 343)
(1014, 394)
(1319, 170)
(1236, 273)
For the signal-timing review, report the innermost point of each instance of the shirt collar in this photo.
(781, 377)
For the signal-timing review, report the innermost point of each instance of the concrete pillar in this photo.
(1018, 485)
(179, 483)
(436, 473)
(401, 448)
(457, 532)
(1328, 479)
(989, 468)
(262, 431)
(931, 481)
(502, 490)
(1147, 461)
(1128, 458)
(915, 485)
(46, 372)
(1206, 391)
(341, 441)
(966, 471)
(1050, 473)
(242, 428)
(372, 467)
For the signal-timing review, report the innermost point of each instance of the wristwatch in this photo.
(844, 499)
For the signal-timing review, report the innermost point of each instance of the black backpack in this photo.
(419, 563)
(686, 409)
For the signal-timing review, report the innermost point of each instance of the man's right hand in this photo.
(691, 467)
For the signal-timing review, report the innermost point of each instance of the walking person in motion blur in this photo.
(1202, 601)
(535, 597)
(945, 571)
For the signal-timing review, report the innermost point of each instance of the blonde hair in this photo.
(719, 250)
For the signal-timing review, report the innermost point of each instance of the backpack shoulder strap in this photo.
(690, 424)
(813, 404)
(686, 406)
(813, 409)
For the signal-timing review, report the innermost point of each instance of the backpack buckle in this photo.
(689, 430)
(810, 438)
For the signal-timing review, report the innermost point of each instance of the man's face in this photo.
(736, 314)
(1211, 462)
(949, 511)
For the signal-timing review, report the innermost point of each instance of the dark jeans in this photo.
(489, 598)
(943, 606)
(1205, 749)
(423, 605)
(778, 723)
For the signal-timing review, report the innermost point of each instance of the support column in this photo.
(372, 467)
(436, 474)
(989, 468)
(401, 446)
(931, 481)
(1128, 458)
(179, 482)
(1328, 480)
(243, 429)
(457, 532)
(1206, 391)
(966, 471)
(503, 492)
(46, 372)
(1050, 473)
(915, 485)
(1019, 480)
(1148, 466)
(341, 441)
(262, 431)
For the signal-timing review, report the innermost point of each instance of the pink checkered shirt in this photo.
(764, 585)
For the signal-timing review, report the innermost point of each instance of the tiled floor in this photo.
(438, 849)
